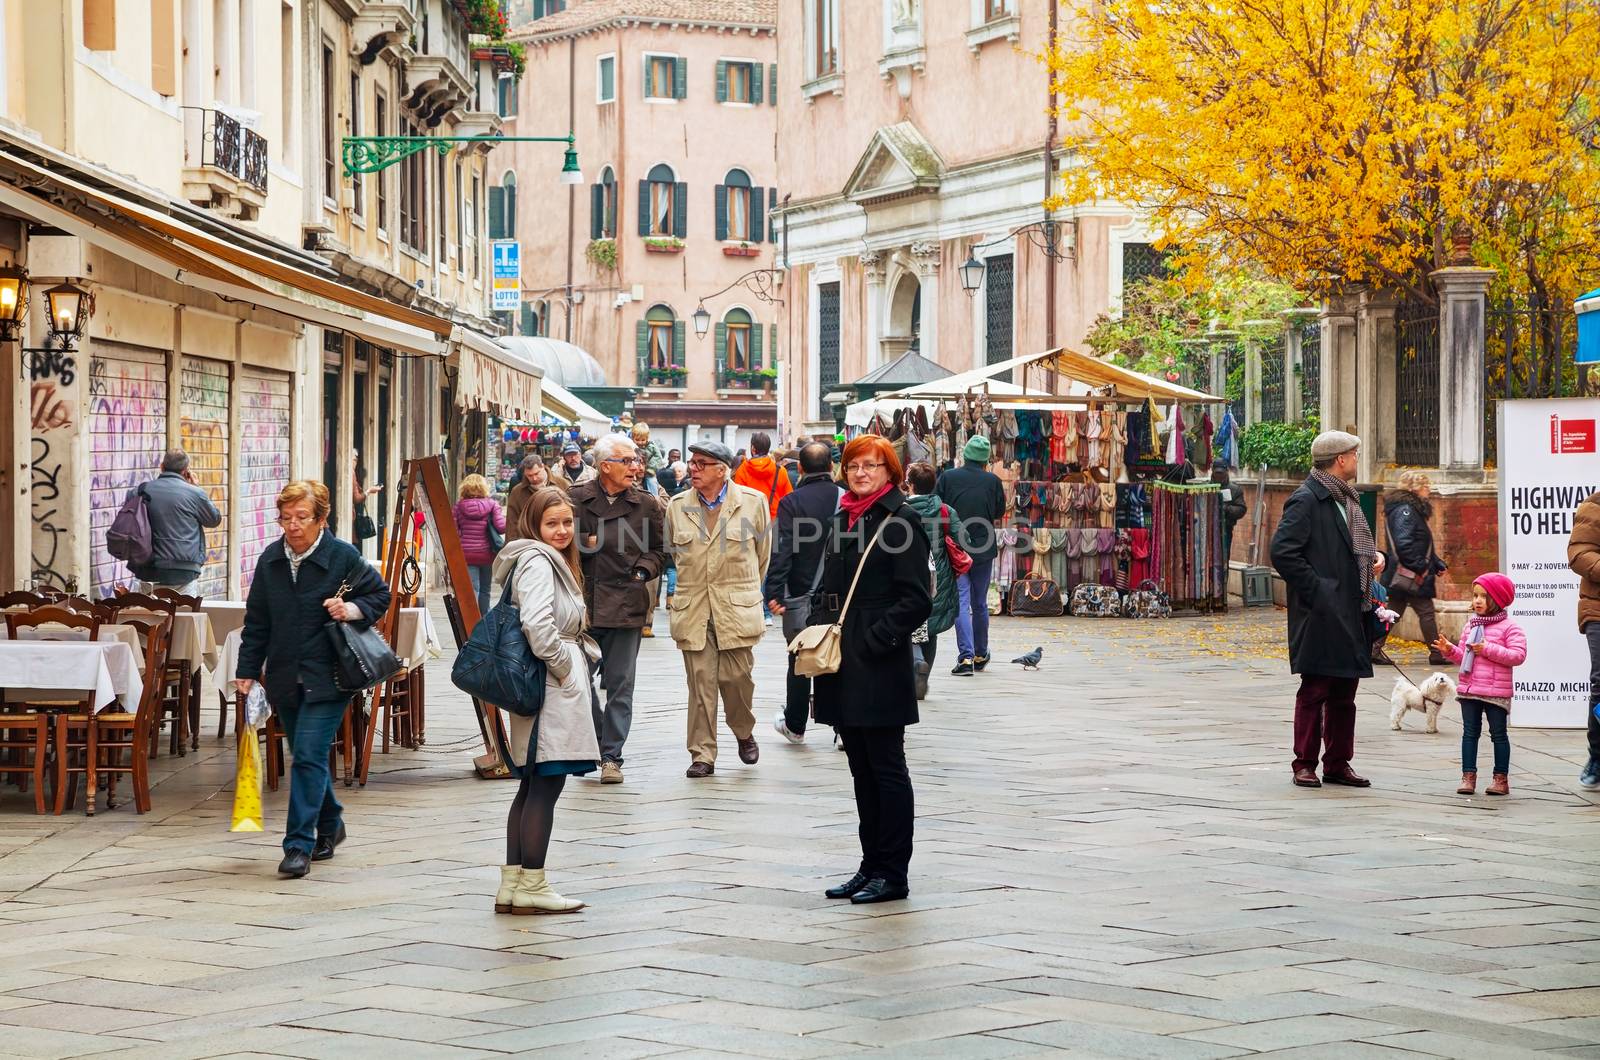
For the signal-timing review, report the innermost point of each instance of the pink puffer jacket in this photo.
(473, 516)
(1504, 647)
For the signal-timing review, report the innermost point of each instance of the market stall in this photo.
(1097, 462)
(563, 418)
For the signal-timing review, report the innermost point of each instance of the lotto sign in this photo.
(505, 276)
(1547, 468)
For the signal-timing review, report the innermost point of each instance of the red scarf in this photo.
(855, 506)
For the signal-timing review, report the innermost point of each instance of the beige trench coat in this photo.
(550, 606)
(720, 570)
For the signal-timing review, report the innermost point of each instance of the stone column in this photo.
(872, 270)
(1294, 356)
(927, 257)
(1338, 363)
(1463, 300)
(1375, 374)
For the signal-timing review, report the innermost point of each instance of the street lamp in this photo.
(702, 321)
(570, 173)
(66, 311)
(13, 302)
(972, 271)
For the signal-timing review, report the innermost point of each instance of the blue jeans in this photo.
(313, 811)
(672, 579)
(1472, 714)
(972, 610)
(482, 577)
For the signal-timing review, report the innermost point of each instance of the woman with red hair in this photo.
(878, 546)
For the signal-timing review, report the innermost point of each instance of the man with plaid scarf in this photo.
(1326, 555)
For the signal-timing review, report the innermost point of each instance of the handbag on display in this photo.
(362, 659)
(1090, 600)
(1035, 597)
(960, 560)
(496, 664)
(1148, 601)
(817, 649)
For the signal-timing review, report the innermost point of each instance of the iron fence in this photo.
(1529, 348)
(1274, 398)
(1230, 353)
(217, 139)
(1310, 367)
(1416, 407)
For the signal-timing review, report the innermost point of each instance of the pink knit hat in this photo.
(1497, 587)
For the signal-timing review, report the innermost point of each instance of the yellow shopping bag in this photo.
(247, 783)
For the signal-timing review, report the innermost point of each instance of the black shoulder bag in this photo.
(362, 659)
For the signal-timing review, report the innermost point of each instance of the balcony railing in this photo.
(216, 139)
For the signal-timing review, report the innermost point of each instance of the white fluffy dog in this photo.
(1435, 692)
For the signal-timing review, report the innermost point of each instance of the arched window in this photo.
(737, 325)
(740, 214)
(662, 332)
(503, 208)
(603, 206)
(662, 202)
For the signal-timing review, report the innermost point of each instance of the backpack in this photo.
(128, 537)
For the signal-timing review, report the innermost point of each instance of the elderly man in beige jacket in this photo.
(718, 534)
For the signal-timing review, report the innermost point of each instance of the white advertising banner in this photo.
(1548, 466)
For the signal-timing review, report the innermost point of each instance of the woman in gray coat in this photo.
(546, 581)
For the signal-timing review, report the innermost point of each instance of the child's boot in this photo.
(1500, 785)
(1469, 783)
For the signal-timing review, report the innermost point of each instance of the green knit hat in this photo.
(977, 449)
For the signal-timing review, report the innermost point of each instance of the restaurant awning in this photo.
(491, 378)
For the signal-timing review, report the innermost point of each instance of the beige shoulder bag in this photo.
(816, 649)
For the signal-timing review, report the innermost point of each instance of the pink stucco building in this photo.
(912, 133)
(673, 103)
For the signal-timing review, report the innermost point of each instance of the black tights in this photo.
(532, 815)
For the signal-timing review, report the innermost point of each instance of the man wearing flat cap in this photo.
(1326, 555)
(717, 531)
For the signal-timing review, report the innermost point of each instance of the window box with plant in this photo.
(602, 254)
(741, 250)
(673, 375)
(664, 245)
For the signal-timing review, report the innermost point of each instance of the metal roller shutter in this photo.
(127, 438)
(203, 429)
(264, 411)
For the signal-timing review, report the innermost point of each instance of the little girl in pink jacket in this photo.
(1491, 646)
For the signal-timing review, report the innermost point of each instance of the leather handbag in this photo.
(960, 560)
(497, 540)
(496, 665)
(1405, 579)
(817, 649)
(363, 525)
(1035, 596)
(362, 659)
(1148, 601)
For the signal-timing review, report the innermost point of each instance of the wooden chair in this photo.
(21, 598)
(174, 678)
(143, 602)
(51, 615)
(22, 731)
(184, 603)
(107, 734)
(105, 612)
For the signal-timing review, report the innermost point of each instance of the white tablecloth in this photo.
(193, 641)
(54, 670)
(415, 638)
(226, 616)
(227, 662)
(109, 632)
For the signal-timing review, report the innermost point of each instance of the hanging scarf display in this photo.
(1175, 448)
(1186, 560)
(1226, 446)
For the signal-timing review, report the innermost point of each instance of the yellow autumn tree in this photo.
(1331, 142)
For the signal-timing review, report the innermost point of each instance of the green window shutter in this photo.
(755, 347)
(772, 215)
(597, 210)
(772, 84)
(497, 212)
(722, 352)
(722, 81)
(772, 345)
(644, 207)
(755, 82)
(511, 212)
(643, 350)
(680, 210)
(680, 78)
(758, 214)
(720, 200)
(677, 343)
(527, 325)
(646, 82)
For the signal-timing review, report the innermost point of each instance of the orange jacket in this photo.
(762, 474)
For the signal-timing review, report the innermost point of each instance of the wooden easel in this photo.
(425, 493)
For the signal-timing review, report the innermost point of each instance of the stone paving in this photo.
(1110, 861)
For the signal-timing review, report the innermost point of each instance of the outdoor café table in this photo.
(108, 632)
(226, 616)
(194, 644)
(48, 671)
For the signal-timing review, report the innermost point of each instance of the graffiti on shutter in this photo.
(127, 438)
(264, 411)
(203, 434)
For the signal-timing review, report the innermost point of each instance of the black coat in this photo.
(803, 527)
(1405, 516)
(284, 618)
(979, 500)
(630, 548)
(1328, 626)
(875, 684)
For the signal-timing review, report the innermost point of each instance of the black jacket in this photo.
(283, 643)
(875, 684)
(630, 549)
(805, 520)
(979, 501)
(1405, 516)
(1328, 629)
(180, 515)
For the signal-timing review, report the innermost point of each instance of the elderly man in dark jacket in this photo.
(1325, 553)
(623, 543)
(180, 513)
(805, 517)
(978, 498)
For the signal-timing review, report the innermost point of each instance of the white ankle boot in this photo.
(509, 877)
(533, 895)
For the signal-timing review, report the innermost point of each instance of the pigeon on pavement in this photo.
(1030, 661)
